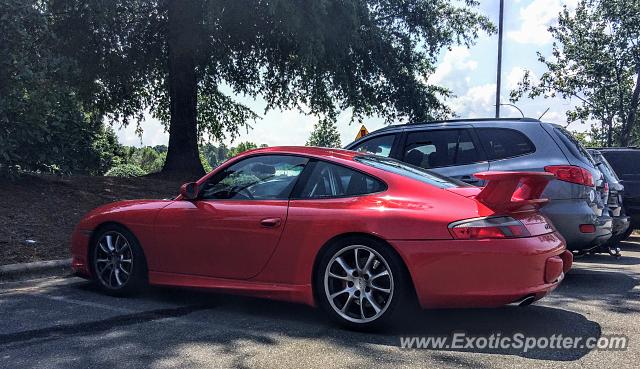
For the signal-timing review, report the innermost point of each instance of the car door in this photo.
(235, 224)
(451, 151)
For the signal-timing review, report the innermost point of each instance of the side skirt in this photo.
(275, 291)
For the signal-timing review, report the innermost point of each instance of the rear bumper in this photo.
(568, 215)
(484, 273)
(620, 225)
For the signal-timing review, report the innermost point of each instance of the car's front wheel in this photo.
(360, 283)
(117, 261)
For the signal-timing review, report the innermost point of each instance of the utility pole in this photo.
(499, 71)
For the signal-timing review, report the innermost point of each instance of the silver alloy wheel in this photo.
(113, 260)
(358, 284)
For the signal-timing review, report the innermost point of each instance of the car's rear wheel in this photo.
(360, 283)
(118, 263)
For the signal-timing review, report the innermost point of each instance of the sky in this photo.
(469, 73)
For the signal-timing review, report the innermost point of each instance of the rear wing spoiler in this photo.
(513, 190)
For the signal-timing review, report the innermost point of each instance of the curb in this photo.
(15, 271)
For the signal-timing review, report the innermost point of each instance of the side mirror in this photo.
(189, 191)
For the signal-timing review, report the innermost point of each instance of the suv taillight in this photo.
(495, 227)
(571, 173)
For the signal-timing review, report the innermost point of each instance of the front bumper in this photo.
(79, 253)
(484, 273)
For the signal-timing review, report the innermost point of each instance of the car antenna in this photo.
(545, 112)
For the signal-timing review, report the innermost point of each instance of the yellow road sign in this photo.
(362, 132)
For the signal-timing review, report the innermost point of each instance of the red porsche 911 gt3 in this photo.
(356, 234)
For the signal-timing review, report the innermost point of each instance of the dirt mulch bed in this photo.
(45, 209)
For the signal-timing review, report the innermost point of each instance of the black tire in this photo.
(401, 289)
(626, 233)
(107, 275)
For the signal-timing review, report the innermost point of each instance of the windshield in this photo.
(410, 171)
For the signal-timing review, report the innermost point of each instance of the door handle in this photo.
(270, 222)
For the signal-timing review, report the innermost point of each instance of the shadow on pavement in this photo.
(227, 324)
(614, 291)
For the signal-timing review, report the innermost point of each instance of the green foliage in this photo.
(320, 57)
(205, 163)
(125, 170)
(148, 159)
(596, 61)
(325, 134)
(584, 138)
(242, 147)
(108, 149)
(43, 124)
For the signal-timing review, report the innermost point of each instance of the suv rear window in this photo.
(410, 171)
(502, 143)
(574, 145)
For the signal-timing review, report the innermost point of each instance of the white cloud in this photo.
(477, 102)
(514, 76)
(454, 60)
(535, 18)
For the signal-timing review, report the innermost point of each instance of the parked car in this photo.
(460, 148)
(626, 163)
(620, 222)
(357, 234)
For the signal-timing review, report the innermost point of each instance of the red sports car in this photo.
(357, 234)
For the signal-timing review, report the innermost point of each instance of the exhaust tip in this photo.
(527, 300)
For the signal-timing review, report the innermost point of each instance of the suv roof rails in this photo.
(460, 120)
(616, 148)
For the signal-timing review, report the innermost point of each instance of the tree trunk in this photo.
(183, 23)
(609, 123)
(630, 122)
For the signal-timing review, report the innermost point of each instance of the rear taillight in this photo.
(495, 227)
(571, 173)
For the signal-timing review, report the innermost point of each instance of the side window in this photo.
(329, 180)
(501, 143)
(267, 177)
(440, 148)
(380, 145)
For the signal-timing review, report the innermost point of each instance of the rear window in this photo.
(574, 145)
(605, 167)
(502, 143)
(410, 171)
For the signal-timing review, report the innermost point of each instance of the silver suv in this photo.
(460, 148)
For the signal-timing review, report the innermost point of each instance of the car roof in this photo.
(614, 148)
(455, 121)
(305, 150)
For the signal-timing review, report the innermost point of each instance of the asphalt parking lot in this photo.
(61, 322)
